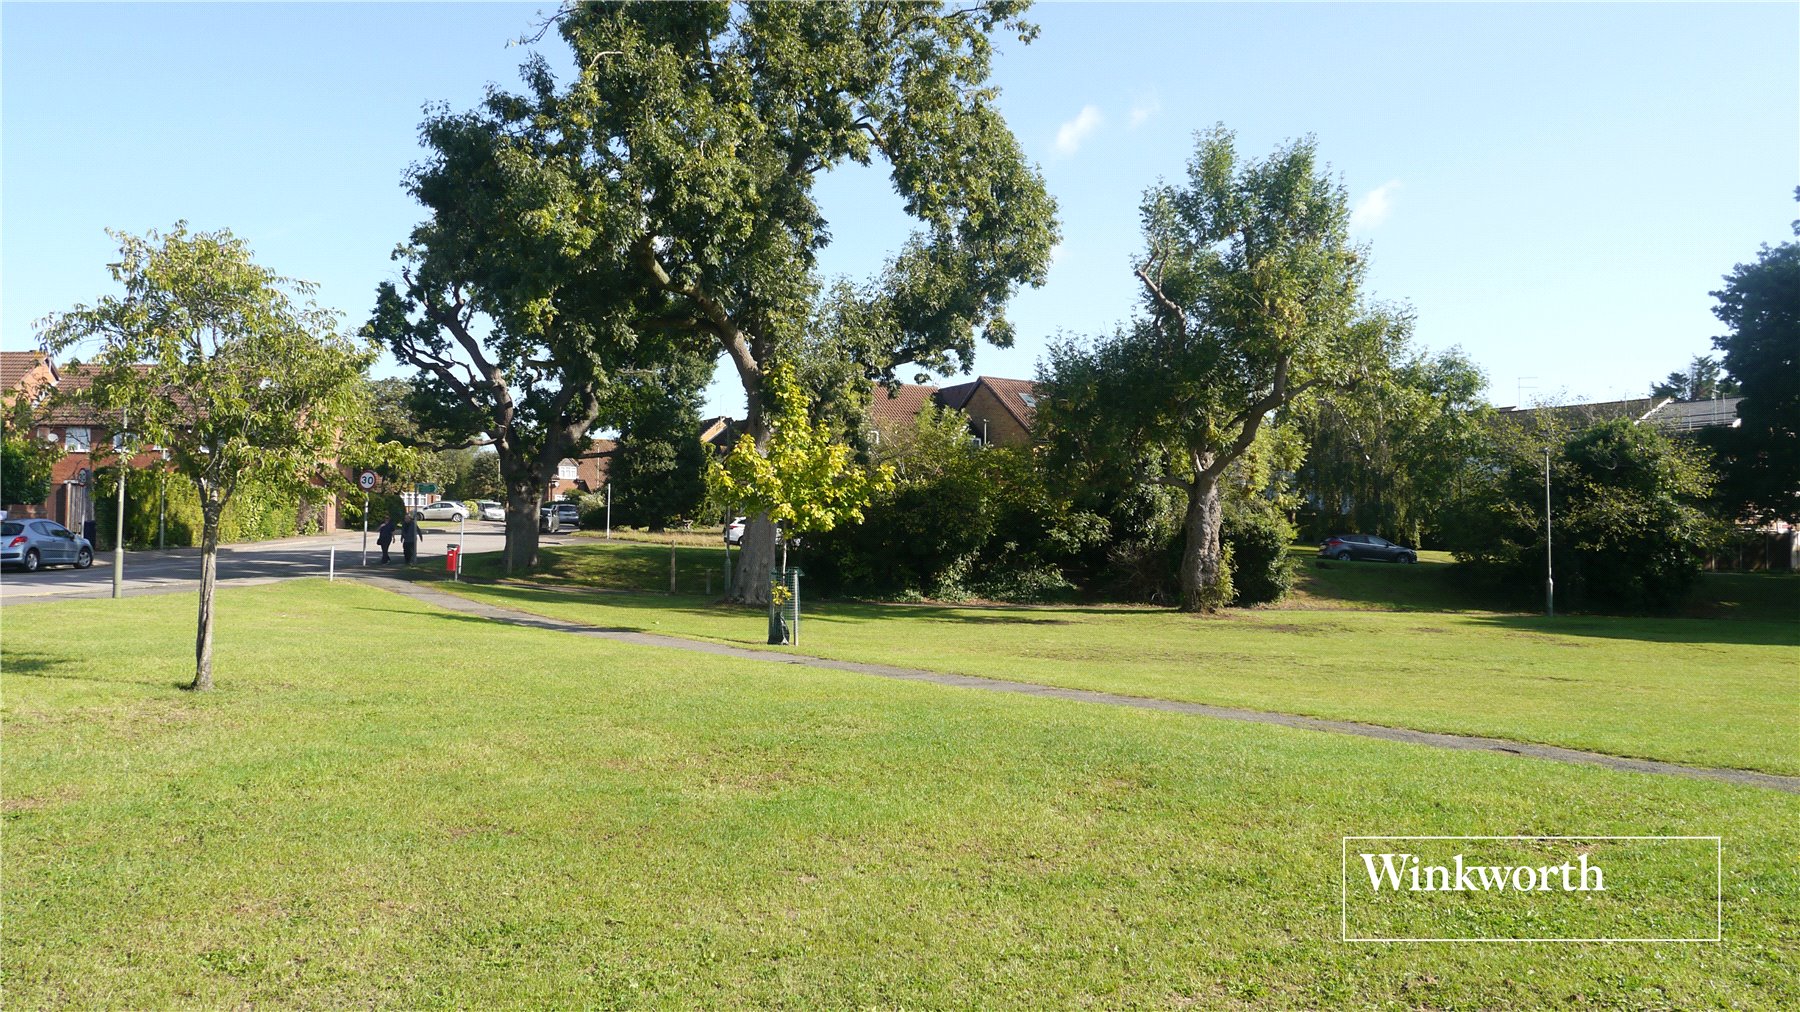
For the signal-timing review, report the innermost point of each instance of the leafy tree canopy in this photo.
(1704, 379)
(1631, 530)
(658, 471)
(696, 133)
(1761, 457)
(806, 482)
(1384, 456)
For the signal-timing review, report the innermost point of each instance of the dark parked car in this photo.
(1365, 546)
(559, 516)
(34, 544)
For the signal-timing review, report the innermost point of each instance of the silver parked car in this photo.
(34, 544)
(444, 509)
(556, 517)
(491, 510)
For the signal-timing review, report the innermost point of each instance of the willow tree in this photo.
(1249, 284)
(702, 129)
(227, 366)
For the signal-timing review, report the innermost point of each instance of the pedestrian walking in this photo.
(384, 536)
(409, 539)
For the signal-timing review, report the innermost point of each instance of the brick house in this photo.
(86, 435)
(26, 373)
(1000, 411)
(586, 475)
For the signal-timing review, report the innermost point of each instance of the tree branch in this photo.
(455, 320)
(1252, 417)
(869, 127)
(735, 342)
(1163, 301)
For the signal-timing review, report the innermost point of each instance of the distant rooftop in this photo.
(1666, 413)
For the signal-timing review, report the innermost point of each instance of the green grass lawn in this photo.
(1715, 692)
(385, 804)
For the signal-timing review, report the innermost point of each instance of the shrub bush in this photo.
(1630, 530)
(1258, 540)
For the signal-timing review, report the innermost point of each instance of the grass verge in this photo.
(1709, 692)
(387, 804)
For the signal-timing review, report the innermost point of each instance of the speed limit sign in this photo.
(366, 480)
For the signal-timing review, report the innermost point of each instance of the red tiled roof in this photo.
(1016, 395)
(76, 379)
(1019, 397)
(899, 407)
(16, 365)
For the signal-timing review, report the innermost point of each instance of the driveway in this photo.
(149, 572)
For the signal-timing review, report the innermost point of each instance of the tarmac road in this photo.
(150, 572)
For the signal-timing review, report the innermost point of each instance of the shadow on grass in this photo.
(1743, 632)
(28, 664)
(1392, 586)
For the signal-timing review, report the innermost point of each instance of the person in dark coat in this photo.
(384, 536)
(409, 539)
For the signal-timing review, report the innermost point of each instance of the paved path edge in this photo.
(1459, 742)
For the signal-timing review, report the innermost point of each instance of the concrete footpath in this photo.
(1466, 743)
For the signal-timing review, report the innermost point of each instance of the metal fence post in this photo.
(795, 636)
(777, 629)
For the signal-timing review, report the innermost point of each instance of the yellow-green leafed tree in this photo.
(804, 481)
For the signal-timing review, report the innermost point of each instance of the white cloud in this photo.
(1374, 206)
(1144, 109)
(1070, 135)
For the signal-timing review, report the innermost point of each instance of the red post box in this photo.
(451, 554)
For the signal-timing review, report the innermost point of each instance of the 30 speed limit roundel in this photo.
(366, 480)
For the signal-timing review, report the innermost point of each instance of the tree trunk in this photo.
(756, 556)
(756, 550)
(209, 573)
(521, 528)
(1202, 562)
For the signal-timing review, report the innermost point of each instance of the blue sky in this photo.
(1555, 188)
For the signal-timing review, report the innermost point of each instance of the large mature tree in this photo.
(1761, 457)
(516, 302)
(1249, 285)
(704, 127)
(229, 367)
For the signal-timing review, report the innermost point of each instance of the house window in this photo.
(565, 471)
(76, 439)
(1029, 399)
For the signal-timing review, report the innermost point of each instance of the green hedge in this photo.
(255, 513)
